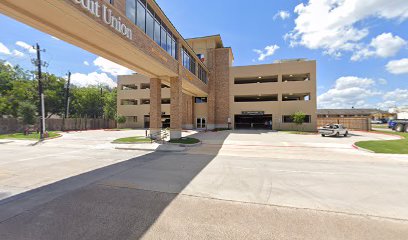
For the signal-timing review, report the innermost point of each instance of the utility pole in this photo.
(67, 96)
(38, 63)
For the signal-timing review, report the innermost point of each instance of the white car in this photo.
(333, 130)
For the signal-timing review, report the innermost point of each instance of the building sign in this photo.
(104, 12)
(253, 113)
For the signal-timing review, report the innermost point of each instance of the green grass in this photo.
(380, 126)
(31, 136)
(298, 132)
(185, 141)
(137, 139)
(391, 146)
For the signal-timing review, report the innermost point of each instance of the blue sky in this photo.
(353, 43)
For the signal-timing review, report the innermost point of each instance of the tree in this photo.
(27, 112)
(299, 118)
(110, 104)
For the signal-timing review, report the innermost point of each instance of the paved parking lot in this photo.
(236, 185)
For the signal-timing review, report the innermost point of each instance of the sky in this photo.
(361, 47)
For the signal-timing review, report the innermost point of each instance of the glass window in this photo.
(141, 16)
(173, 48)
(168, 44)
(131, 10)
(149, 24)
(200, 100)
(157, 31)
(163, 38)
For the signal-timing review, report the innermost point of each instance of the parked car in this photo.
(376, 122)
(333, 130)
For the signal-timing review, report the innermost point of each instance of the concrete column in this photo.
(176, 113)
(155, 105)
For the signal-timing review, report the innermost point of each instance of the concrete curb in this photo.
(150, 150)
(362, 149)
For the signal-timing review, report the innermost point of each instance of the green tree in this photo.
(27, 112)
(87, 102)
(299, 118)
(54, 90)
(110, 104)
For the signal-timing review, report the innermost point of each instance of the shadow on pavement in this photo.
(120, 201)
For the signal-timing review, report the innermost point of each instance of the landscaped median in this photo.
(132, 140)
(388, 146)
(31, 136)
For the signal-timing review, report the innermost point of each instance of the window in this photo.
(150, 24)
(131, 119)
(141, 16)
(131, 10)
(145, 86)
(202, 74)
(112, 1)
(129, 87)
(289, 119)
(128, 102)
(140, 13)
(188, 61)
(164, 86)
(200, 100)
(157, 31)
(163, 38)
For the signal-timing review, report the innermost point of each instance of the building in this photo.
(372, 114)
(137, 34)
(245, 97)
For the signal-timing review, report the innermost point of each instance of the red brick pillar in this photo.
(155, 105)
(176, 113)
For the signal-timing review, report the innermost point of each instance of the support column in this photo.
(176, 112)
(155, 105)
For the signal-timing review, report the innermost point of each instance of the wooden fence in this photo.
(363, 124)
(12, 125)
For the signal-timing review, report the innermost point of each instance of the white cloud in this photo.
(384, 45)
(282, 15)
(398, 95)
(398, 66)
(382, 81)
(92, 79)
(267, 52)
(332, 25)
(86, 63)
(4, 49)
(17, 53)
(111, 67)
(26, 46)
(349, 92)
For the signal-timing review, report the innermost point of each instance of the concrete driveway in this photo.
(236, 185)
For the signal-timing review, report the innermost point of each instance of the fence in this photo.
(363, 124)
(12, 125)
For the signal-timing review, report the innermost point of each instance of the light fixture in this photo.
(290, 75)
(259, 77)
(290, 94)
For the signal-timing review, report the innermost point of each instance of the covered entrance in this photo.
(253, 120)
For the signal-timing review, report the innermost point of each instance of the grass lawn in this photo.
(31, 136)
(299, 132)
(137, 139)
(392, 146)
(185, 141)
(379, 125)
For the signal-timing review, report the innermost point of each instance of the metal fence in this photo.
(12, 125)
(363, 124)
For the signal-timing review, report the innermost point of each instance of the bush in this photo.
(121, 119)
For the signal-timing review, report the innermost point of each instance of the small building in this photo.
(372, 114)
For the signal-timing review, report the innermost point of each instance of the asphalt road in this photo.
(240, 185)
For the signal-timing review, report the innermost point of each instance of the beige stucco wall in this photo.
(279, 108)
